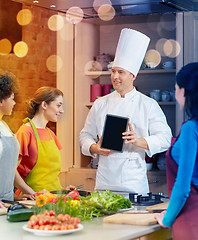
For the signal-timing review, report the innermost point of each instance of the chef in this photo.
(147, 133)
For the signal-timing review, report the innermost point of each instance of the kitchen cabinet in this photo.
(91, 38)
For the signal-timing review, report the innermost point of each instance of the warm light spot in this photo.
(152, 58)
(106, 12)
(99, 3)
(54, 63)
(5, 46)
(172, 48)
(20, 49)
(159, 46)
(24, 17)
(74, 15)
(93, 67)
(55, 22)
(168, 22)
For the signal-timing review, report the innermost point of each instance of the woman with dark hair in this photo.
(39, 147)
(9, 146)
(182, 162)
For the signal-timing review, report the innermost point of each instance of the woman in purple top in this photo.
(182, 162)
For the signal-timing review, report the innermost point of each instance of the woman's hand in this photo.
(159, 217)
(2, 205)
(24, 196)
(131, 137)
(96, 149)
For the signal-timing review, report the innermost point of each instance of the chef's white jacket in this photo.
(126, 171)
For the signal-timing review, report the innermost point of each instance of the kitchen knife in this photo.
(144, 211)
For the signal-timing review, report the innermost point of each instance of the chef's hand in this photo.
(131, 137)
(96, 149)
(159, 217)
(24, 196)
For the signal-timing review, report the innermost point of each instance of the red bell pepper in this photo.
(73, 194)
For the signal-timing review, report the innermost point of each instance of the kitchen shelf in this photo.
(145, 71)
(89, 105)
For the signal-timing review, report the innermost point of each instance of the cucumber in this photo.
(20, 215)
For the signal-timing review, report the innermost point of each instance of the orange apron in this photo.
(44, 174)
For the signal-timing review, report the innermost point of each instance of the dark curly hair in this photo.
(187, 78)
(8, 84)
(46, 94)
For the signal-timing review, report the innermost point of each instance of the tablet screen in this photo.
(112, 132)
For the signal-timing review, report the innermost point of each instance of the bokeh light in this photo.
(159, 46)
(99, 3)
(54, 63)
(152, 58)
(20, 49)
(106, 12)
(5, 46)
(93, 67)
(74, 15)
(24, 17)
(172, 48)
(55, 22)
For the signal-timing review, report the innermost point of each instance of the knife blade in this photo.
(144, 211)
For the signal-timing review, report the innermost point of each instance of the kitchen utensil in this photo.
(165, 96)
(79, 186)
(161, 206)
(131, 219)
(144, 211)
(168, 65)
(155, 94)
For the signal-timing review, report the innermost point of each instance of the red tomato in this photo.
(52, 213)
(41, 227)
(60, 217)
(70, 226)
(56, 227)
(64, 226)
(36, 227)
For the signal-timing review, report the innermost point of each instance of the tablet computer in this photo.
(112, 132)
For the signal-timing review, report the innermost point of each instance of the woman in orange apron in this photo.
(39, 147)
(182, 162)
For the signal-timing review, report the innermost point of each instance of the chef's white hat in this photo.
(131, 49)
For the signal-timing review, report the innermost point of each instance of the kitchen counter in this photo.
(93, 229)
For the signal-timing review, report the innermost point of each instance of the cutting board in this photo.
(28, 202)
(131, 219)
(158, 206)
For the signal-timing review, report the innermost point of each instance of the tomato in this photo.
(46, 213)
(64, 226)
(36, 227)
(60, 216)
(70, 226)
(52, 213)
(41, 227)
(56, 227)
(73, 194)
(48, 227)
